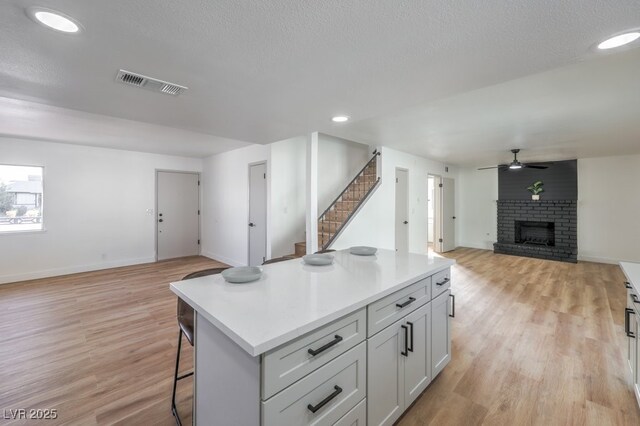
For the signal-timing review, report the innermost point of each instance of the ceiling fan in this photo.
(515, 164)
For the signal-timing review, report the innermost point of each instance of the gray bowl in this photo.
(318, 259)
(242, 274)
(363, 250)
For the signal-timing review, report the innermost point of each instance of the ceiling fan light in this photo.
(515, 166)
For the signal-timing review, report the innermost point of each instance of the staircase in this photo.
(340, 212)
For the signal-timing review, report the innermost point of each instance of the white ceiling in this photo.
(589, 109)
(30, 120)
(265, 71)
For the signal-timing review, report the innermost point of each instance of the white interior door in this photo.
(178, 204)
(257, 214)
(402, 210)
(448, 215)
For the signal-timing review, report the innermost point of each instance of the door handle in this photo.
(453, 305)
(627, 322)
(410, 348)
(406, 341)
(405, 222)
(252, 225)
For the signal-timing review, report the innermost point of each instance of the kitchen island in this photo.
(359, 339)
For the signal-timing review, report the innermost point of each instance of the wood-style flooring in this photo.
(534, 342)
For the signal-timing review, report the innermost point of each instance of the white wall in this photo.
(608, 209)
(339, 160)
(95, 204)
(374, 225)
(477, 208)
(288, 166)
(225, 194)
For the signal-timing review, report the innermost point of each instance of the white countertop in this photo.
(632, 271)
(292, 298)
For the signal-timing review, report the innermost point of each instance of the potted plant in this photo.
(536, 188)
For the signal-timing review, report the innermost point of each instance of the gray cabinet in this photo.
(441, 332)
(385, 375)
(399, 366)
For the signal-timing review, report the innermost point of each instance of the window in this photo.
(21, 196)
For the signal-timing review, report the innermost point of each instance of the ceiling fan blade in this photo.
(487, 168)
(533, 166)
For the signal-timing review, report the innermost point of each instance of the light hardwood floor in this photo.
(534, 342)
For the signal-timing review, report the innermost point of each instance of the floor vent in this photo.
(149, 83)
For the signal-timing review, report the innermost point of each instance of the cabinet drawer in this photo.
(331, 391)
(386, 311)
(440, 282)
(292, 361)
(356, 417)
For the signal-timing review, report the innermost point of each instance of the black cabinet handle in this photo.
(627, 284)
(408, 302)
(325, 401)
(160, 220)
(405, 222)
(446, 280)
(635, 298)
(410, 348)
(453, 305)
(336, 339)
(406, 341)
(251, 224)
(627, 322)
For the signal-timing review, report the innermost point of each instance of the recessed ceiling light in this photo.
(340, 118)
(54, 20)
(619, 40)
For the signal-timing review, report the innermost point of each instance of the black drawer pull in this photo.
(446, 280)
(408, 302)
(627, 322)
(336, 339)
(627, 284)
(406, 341)
(325, 401)
(635, 298)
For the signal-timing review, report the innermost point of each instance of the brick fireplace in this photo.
(545, 229)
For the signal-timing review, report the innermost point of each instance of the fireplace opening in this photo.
(535, 233)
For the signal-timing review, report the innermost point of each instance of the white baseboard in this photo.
(222, 259)
(55, 272)
(598, 259)
(476, 245)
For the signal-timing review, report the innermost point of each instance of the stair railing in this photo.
(363, 191)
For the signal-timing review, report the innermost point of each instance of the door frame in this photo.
(155, 213)
(437, 212)
(266, 208)
(404, 169)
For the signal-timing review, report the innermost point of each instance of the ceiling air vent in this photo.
(149, 83)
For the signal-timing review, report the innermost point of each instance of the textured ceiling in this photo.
(589, 109)
(265, 71)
